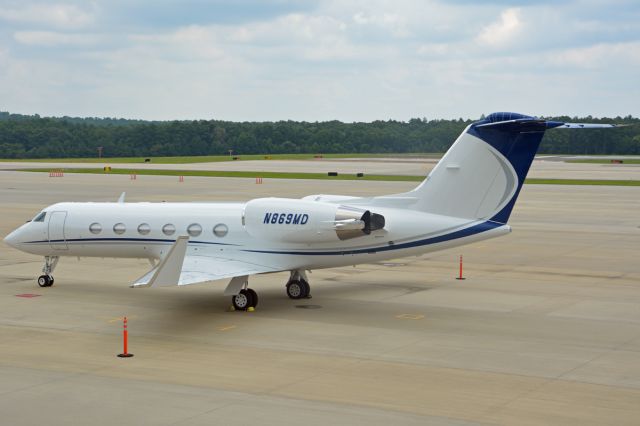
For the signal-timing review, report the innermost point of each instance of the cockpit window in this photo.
(40, 217)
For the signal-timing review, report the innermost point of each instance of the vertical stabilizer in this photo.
(482, 173)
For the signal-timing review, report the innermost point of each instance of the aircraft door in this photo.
(57, 239)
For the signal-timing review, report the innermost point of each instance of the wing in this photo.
(180, 269)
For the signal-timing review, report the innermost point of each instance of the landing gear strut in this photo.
(298, 286)
(50, 263)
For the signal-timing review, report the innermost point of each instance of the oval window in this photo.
(220, 230)
(144, 229)
(194, 230)
(95, 228)
(168, 229)
(119, 228)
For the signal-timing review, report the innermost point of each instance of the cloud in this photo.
(599, 56)
(52, 38)
(66, 16)
(326, 59)
(503, 32)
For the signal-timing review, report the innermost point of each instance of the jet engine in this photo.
(304, 221)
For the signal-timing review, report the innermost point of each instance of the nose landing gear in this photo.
(50, 263)
(45, 280)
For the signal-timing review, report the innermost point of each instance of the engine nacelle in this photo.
(303, 221)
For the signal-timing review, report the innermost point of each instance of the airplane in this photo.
(467, 197)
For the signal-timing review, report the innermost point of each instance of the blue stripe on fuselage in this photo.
(472, 230)
(136, 240)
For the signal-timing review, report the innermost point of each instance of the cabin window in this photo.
(119, 228)
(220, 230)
(95, 228)
(144, 229)
(168, 229)
(194, 230)
(40, 217)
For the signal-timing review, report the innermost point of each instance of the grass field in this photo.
(605, 161)
(215, 158)
(245, 174)
(285, 175)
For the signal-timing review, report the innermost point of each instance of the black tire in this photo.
(306, 289)
(44, 281)
(295, 289)
(254, 297)
(242, 301)
(51, 280)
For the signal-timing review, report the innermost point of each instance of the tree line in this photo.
(25, 136)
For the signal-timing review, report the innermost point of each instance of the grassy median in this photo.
(216, 158)
(342, 176)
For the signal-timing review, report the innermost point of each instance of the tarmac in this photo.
(544, 330)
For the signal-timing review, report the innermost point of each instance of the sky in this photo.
(348, 60)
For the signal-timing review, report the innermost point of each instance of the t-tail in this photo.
(481, 175)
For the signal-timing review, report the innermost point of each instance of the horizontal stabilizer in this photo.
(521, 124)
(585, 125)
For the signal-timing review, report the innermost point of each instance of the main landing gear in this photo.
(46, 280)
(298, 286)
(244, 298)
(247, 298)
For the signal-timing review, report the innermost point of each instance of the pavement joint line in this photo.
(497, 408)
(211, 410)
(616, 348)
(47, 382)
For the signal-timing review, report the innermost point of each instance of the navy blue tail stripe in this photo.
(517, 141)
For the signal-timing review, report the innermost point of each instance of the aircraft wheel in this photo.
(254, 297)
(296, 289)
(45, 280)
(307, 290)
(243, 300)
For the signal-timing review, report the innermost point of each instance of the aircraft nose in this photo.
(12, 239)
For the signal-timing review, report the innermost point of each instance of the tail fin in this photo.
(482, 173)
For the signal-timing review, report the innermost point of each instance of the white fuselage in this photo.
(143, 230)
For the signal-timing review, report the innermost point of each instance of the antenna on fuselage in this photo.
(121, 199)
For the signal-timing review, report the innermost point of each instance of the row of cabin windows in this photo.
(194, 230)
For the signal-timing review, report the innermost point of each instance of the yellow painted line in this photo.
(410, 316)
(226, 327)
(118, 319)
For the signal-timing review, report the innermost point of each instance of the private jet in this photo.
(467, 197)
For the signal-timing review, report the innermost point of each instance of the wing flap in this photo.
(196, 269)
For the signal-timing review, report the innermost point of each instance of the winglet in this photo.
(167, 273)
(121, 199)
